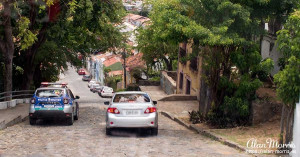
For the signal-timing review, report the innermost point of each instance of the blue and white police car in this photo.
(53, 100)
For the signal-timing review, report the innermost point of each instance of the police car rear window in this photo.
(50, 93)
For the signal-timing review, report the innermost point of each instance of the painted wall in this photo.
(189, 74)
(269, 50)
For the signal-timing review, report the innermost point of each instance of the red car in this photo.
(81, 72)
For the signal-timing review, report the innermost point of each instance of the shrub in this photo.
(157, 78)
(133, 87)
(196, 117)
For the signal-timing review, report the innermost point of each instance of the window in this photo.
(188, 86)
(50, 93)
(182, 50)
(180, 80)
(194, 63)
(71, 94)
(131, 98)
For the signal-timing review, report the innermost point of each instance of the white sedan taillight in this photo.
(113, 110)
(150, 110)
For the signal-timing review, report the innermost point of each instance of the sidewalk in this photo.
(178, 112)
(11, 116)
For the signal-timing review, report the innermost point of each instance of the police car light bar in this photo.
(46, 84)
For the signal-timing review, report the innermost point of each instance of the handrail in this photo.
(16, 94)
(17, 91)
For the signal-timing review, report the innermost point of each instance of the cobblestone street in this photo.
(87, 136)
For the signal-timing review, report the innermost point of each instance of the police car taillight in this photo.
(32, 101)
(66, 101)
(45, 84)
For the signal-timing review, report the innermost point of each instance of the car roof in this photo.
(44, 88)
(131, 92)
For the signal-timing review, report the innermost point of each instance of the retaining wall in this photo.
(167, 83)
(13, 103)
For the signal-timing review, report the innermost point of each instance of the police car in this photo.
(53, 100)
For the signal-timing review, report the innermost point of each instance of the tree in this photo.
(288, 80)
(64, 27)
(156, 50)
(6, 43)
(223, 33)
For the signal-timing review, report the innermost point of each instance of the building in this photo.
(188, 72)
(134, 62)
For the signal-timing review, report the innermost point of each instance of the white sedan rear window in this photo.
(131, 98)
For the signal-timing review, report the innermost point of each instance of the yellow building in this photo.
(188, 71)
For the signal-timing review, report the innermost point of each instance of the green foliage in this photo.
(157, 78)
(107, 70)
(196, 117)
(133, 87)
(116, 66)
(225, 34)
(288, 80)
(137, 73)
(80, 25)
(27, 38)
(112, 81)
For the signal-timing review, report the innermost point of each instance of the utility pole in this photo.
(124, 66)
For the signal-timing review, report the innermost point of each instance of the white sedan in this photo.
(131, 110)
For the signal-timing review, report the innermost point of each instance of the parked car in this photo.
(94, 86)
(106, 92)
(81, 71)
(96, 89)
(91, 82)
(131, 110)
(86, 77)
(99, 90)
(51, 101)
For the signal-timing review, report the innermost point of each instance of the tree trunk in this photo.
(31, 52)
(7, 48)
(168, 63)
(205, 93)
(282, 124)
(289, 125)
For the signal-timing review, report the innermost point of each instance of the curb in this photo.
(204, 132)
(19, 119)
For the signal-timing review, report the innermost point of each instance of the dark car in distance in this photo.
(86, 77)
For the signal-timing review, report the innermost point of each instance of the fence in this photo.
(7, 96)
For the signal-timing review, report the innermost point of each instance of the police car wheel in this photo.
(70, 120)
(77, 113)
(32, 121)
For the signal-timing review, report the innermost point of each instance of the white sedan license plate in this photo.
(132, 112)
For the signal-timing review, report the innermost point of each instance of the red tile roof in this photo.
(112, 60)
(135, 61)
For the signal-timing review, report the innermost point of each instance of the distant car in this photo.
(51, 101)
(96, 89)
(91, 82)
(86, 77)
(94, 86)
(99, 90)
(81, 71)
(106, 92)
(131, 110)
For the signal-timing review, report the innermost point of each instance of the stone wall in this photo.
(263, 110)
(149, 83)
(167, 83)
